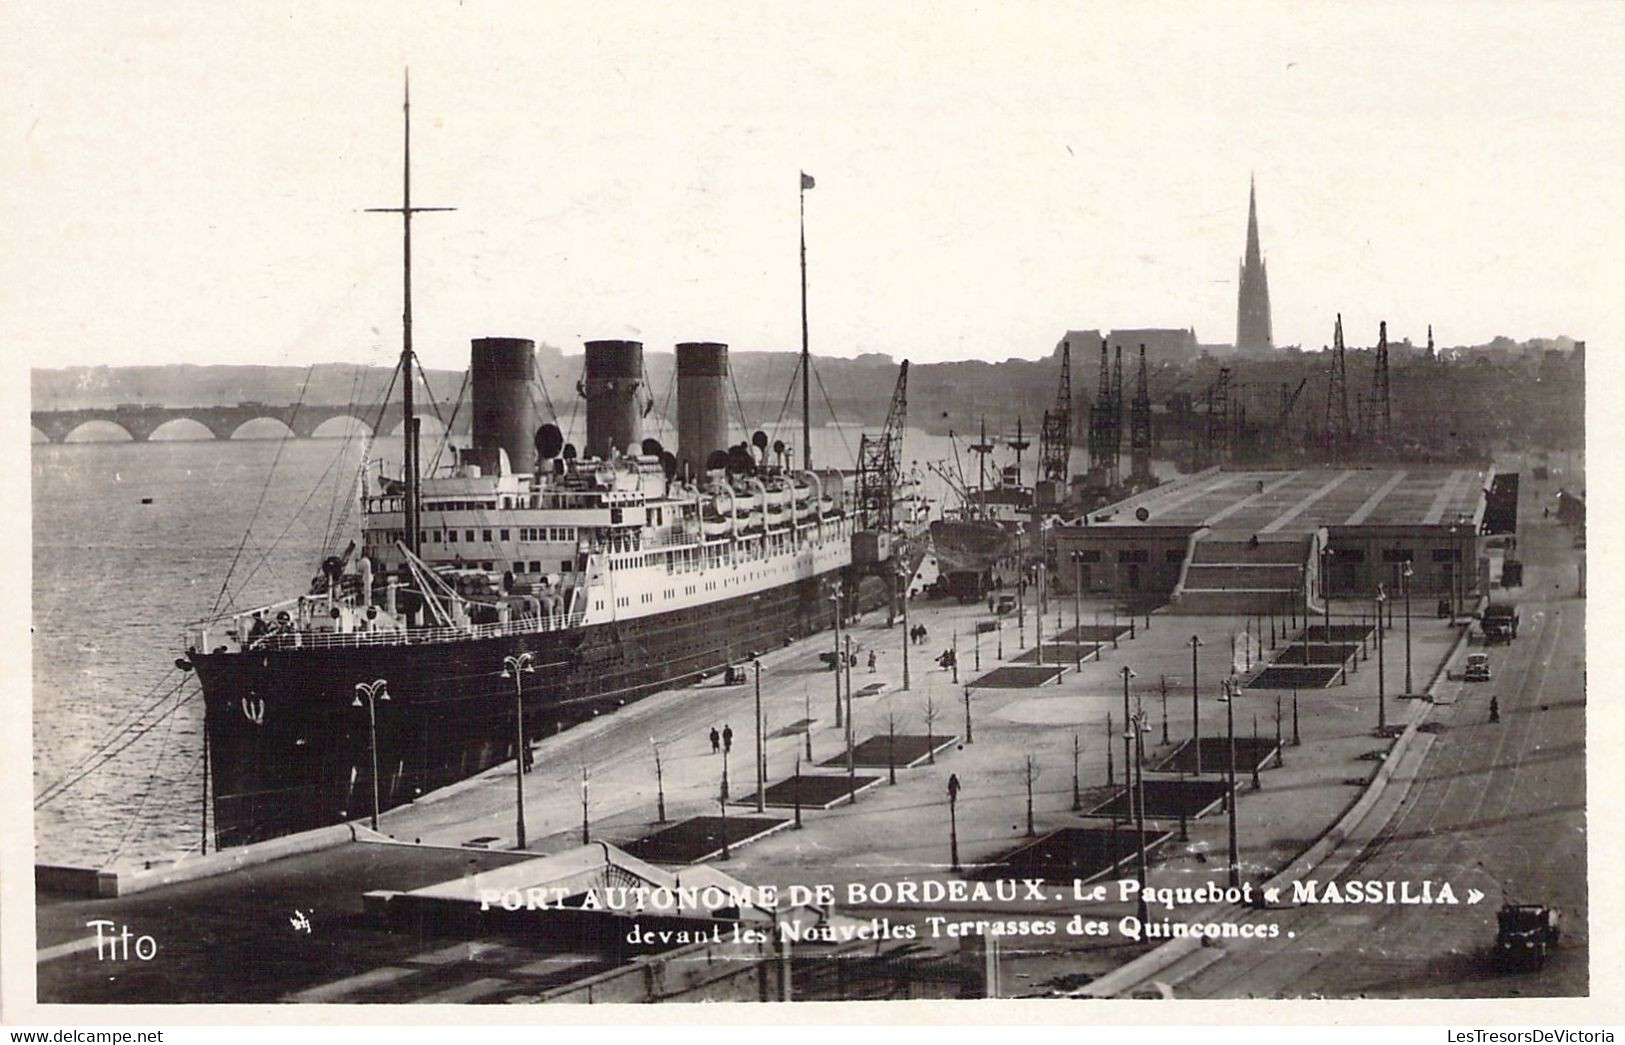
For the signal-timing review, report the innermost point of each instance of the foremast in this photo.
(407, 366)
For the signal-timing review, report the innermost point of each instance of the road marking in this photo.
(351, 984)
(468, 950)
(62, 950)
(467, 992)
(555, 964)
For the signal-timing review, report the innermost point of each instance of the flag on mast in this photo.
(806, 181)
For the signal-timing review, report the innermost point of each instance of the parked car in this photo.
(1526, 933)
(1500, 621)
(1478, 667)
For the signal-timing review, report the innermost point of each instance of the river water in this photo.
(238, 522)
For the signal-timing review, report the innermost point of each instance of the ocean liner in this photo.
(603, 576)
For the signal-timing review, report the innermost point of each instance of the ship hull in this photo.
(290, 750)
(972, 544)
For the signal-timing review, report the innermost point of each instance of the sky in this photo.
(186, 181)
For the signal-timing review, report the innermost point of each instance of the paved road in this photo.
(1495, 807)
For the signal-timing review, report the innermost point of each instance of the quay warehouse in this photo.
(1256, 541)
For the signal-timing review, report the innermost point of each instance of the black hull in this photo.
(289, 751)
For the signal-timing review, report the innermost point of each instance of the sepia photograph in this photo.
(628, 503)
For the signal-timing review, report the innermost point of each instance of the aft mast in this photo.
(806, 356)
(409, 452)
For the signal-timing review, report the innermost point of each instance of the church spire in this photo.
(1253, 331)
(1254, 255)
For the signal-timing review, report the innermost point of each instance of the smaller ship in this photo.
(992, 522)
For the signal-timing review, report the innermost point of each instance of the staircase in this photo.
(1226, 574)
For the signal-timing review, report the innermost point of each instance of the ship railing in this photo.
(307, 639)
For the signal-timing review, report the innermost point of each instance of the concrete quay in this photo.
(891, 834)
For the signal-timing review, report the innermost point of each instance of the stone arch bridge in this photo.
(140, 420)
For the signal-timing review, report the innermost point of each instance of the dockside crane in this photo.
(1140, 428)
(1382, 417)
(1117, 416)
(1102, 421)
(1055, 437)
(1339, 434)
(1289, 401)
(880, 462)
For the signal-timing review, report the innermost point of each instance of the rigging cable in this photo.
(739, 405)
(131, 833)
(297, 516)
(119, 728)
(839, 431)
(445, 436)
(264, 488)
(334, 525)
(53, 793)
(784, 407)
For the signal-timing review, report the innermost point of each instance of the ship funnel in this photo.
(702, 406)
(502, 370)
(614, 376)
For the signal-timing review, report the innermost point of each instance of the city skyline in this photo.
(978, 189)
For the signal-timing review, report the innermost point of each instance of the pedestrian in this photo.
(530, 756)
(727, 738)
(1495, 709)
(871, 662)
(716, 740)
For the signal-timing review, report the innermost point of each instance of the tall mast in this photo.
(806, 357)
(409, 452)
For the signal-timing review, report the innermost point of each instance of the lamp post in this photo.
(375, 691)
(795, 791)
(1196, 708)
(806, 705)
(1230, 725)
(1405, 583)
(517, 668)
(1138, 726)
(901, 576)
(1077, 610)
(838, 659)
(970, 738)
(1038, 627)
(953, 819)
(586, 834)
(660, 784)
(1128, 766)
(851, 771)
(1382, 695)
(761, 750)
(1021, 603)
(1164, 685)
(1077, 794)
